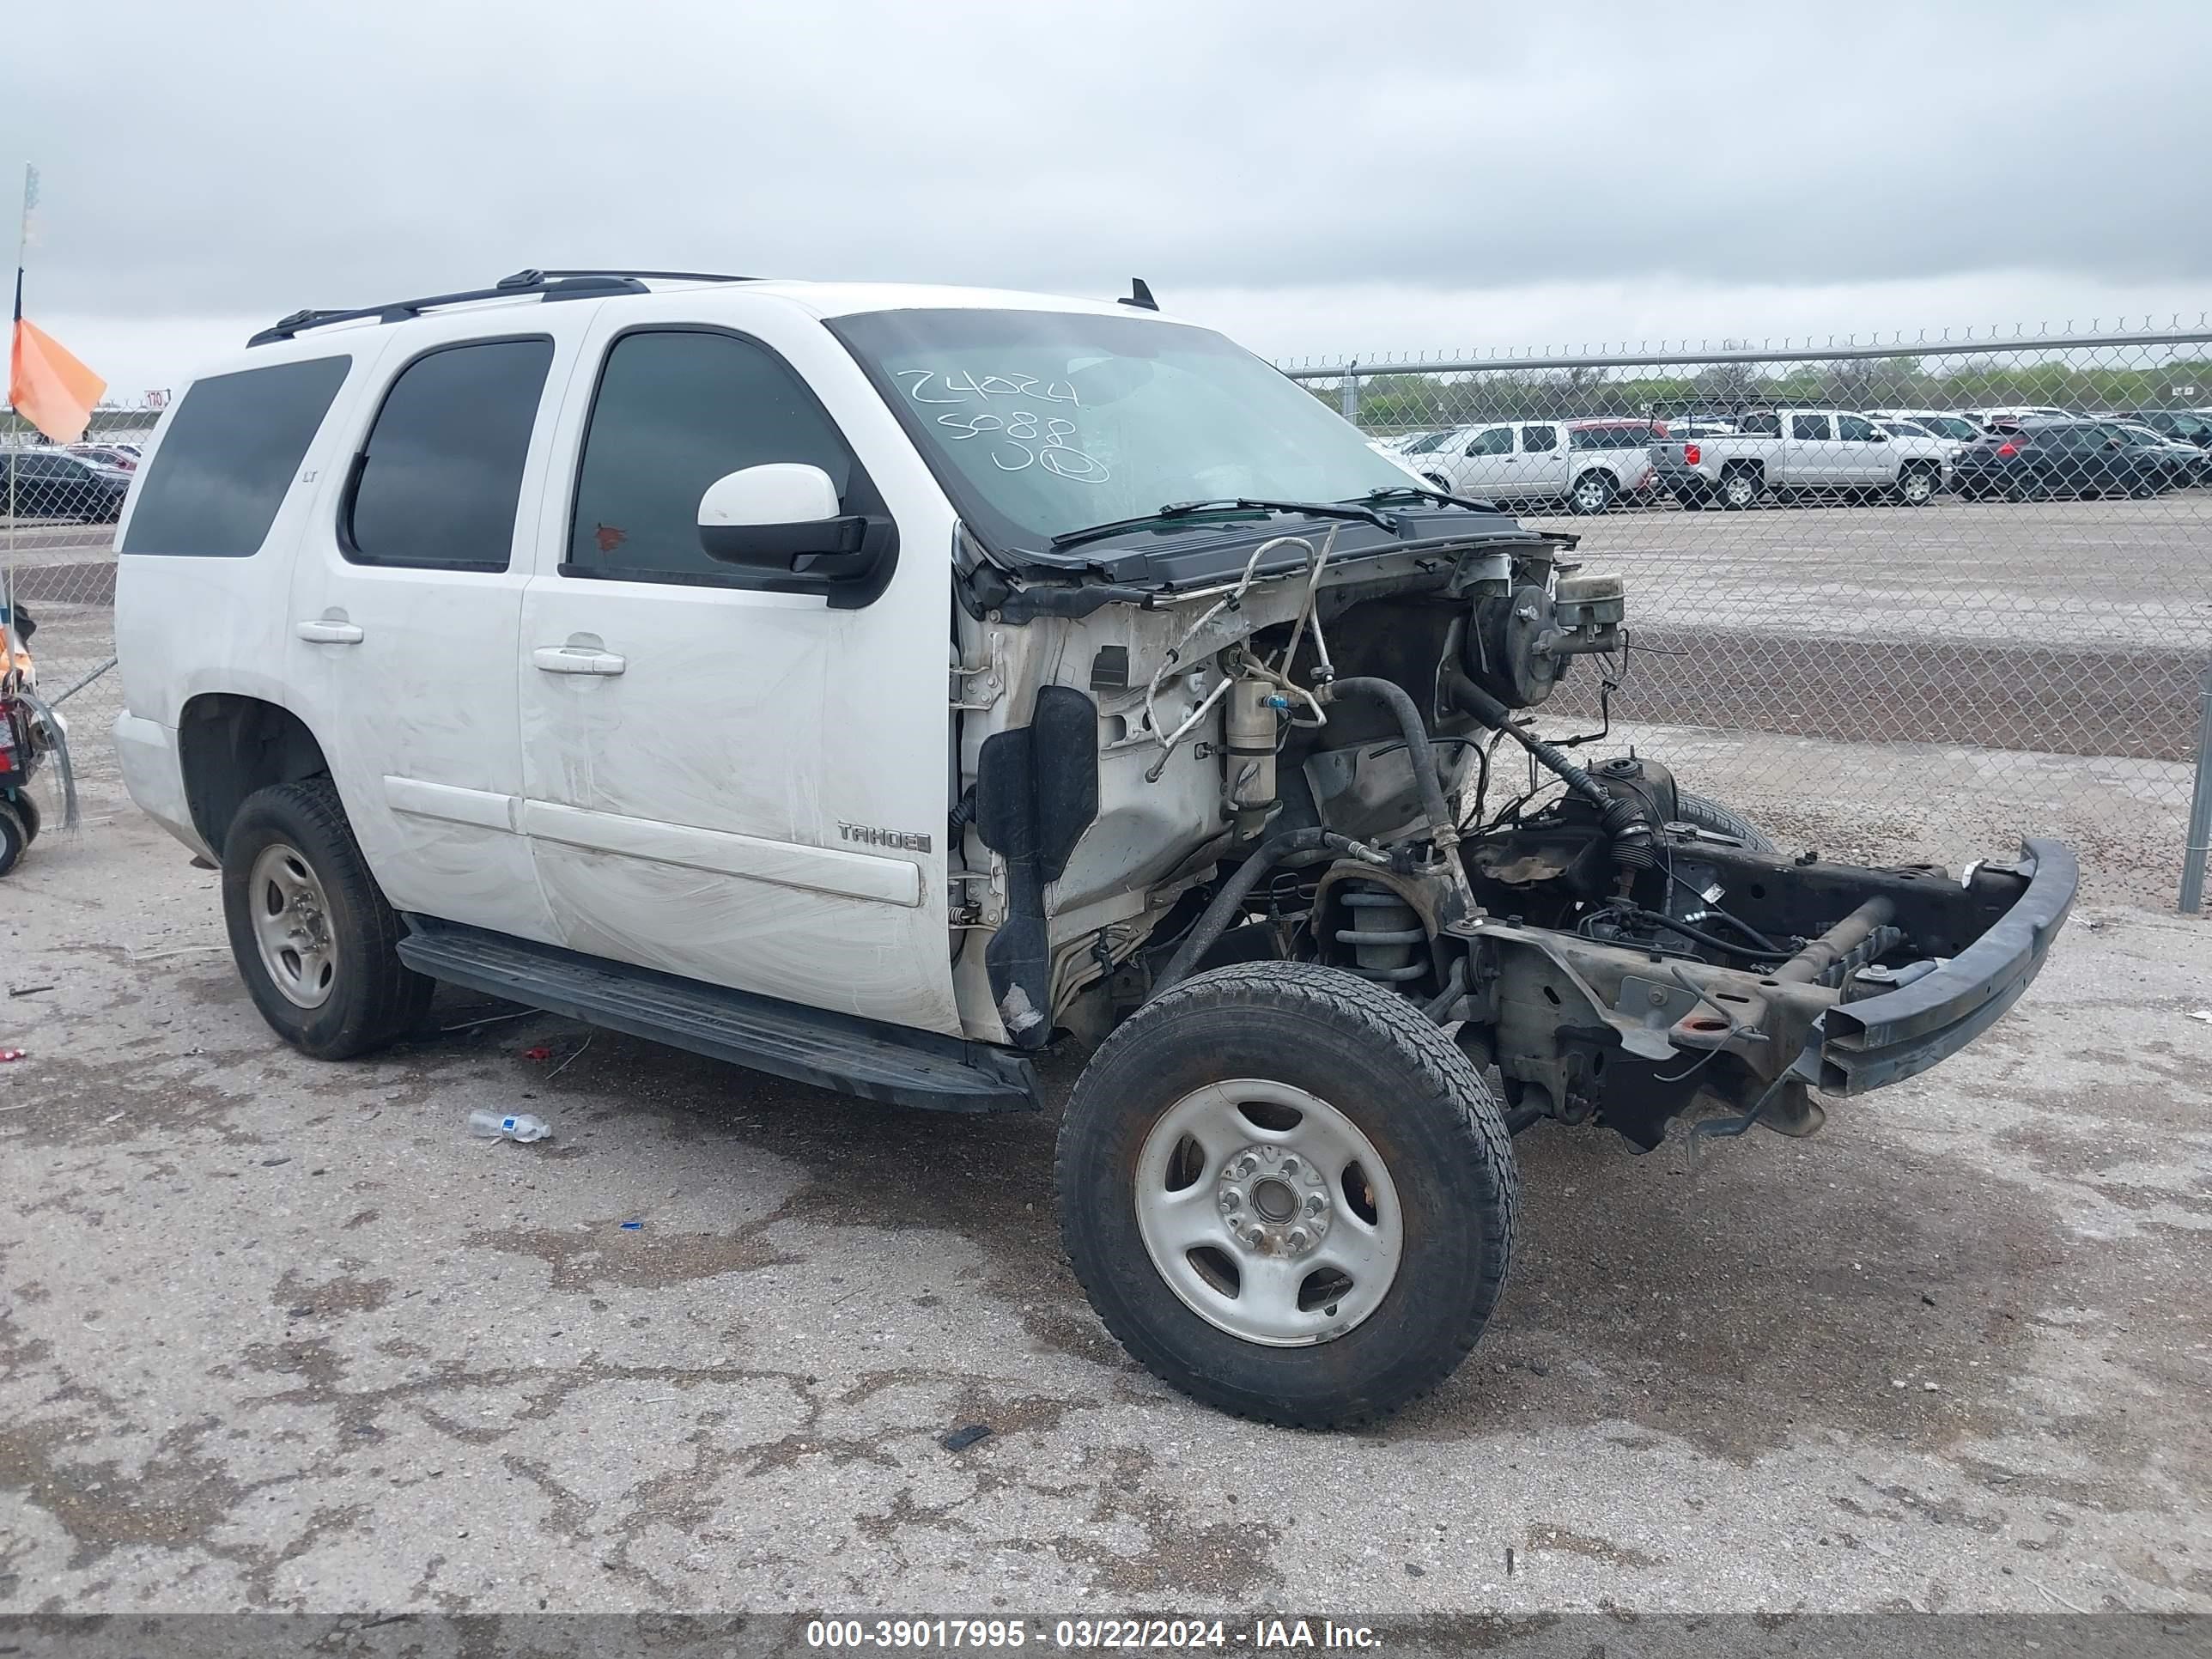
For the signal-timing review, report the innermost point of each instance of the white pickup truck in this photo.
(1590, 465)
(1797, 450)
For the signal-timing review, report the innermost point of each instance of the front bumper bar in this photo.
(1866, 1044)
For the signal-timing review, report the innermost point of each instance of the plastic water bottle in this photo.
(510, 1126)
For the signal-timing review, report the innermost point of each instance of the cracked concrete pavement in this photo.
(281, 1334)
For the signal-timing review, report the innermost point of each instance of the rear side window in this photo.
(1536, 439)
(438, 482)
(1812, 427)
(676, 410)
(232, 450)
(1764, 426)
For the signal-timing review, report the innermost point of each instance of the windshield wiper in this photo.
(1421, 492)
(1351, 511)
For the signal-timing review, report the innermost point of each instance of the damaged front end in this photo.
(1302, 743)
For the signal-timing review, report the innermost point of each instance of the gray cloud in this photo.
(226, 157)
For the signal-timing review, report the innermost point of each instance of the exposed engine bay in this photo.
(1338, 761)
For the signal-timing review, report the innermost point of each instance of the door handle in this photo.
(323, 631)
(576, 659)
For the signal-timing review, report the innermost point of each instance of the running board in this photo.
(851, 1055)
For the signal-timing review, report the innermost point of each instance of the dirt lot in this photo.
(281, 1334)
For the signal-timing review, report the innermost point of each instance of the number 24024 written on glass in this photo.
(1020, 438)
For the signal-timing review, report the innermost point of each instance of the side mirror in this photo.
(783, 519)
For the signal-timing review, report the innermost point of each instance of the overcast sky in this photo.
(1320, 179)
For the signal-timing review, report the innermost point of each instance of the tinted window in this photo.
(675, 411)
(1536, 439)
(438, 478)
(1764, 426)
(1812, 427)
(1499, 441)
(1852, 428)
(231, 451)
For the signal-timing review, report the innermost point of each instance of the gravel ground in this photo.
(280, 1334)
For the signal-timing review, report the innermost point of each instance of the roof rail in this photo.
(547, 284)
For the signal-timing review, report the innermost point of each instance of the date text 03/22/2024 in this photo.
(1262, 1635)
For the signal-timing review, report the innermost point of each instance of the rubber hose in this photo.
(1419, 750)
(1621, 818)
(1214, 921)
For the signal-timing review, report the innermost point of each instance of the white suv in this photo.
(878, 686)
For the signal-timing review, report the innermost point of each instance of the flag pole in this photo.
(14, 419)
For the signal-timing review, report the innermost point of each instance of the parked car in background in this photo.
(52, 483)
(1420, 443)
(1920, 438)
(1991, 418)
(1941, 422)
(2187, 426)
(1799, 451)
(2184, 463)
(108, 455)
(2043, 457)
(1590, 465)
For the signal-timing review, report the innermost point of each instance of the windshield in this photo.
(1039, 423)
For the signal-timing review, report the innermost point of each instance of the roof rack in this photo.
(547, 284)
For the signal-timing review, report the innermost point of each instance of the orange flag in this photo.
(50, 388)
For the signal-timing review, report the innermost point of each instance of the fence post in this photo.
(2200, 808)
(1348, 399)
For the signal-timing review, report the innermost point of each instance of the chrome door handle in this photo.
(576, 659)
(323, 631)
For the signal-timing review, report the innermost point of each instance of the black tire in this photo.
(1690, 501)
(1708, 814)
(14, 837)
(33, 820)
(372, 998)
(1368, 1055)
(1741, 487)
(1592, 493)
(1916, 485)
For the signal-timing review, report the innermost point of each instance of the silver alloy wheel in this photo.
(1268, 1212)
(1592, 493)
(1740, 490)
(1918, 486)
(292, 925)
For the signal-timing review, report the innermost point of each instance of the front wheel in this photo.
(1287, 1193)
(1916, 487)
(314, 938)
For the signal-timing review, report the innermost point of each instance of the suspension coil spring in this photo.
(1386, 936)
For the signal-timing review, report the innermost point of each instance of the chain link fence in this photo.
(58, 510)
(1895, 599)
(1899, 600)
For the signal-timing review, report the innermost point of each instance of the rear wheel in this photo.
(1741, 489)
(1593, 493)
(314, 938)
(1287, 1193)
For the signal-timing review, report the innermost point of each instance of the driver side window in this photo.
(677, 409)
